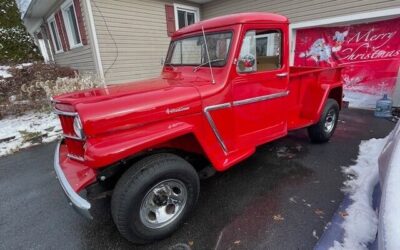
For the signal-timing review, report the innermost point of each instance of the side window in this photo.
(261, 51)
(55, 35)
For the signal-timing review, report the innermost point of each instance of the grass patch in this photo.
(33, 137)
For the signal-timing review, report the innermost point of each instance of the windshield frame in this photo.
(171, 49)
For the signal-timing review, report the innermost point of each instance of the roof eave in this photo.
(29, 9)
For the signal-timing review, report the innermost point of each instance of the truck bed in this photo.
(308, 86)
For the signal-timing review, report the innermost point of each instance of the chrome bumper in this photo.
(81, 205)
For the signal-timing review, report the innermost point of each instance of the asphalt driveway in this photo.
(280, 198)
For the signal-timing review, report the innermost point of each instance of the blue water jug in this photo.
(384, 107)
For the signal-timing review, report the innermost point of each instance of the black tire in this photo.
(318, 132)
(136, 183)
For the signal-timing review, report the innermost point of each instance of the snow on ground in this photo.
(361, 100)
(4, 71)
(26, 130)
(361, 224)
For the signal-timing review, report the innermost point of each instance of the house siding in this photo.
(132, 37)
(81, 58)
(297, 11)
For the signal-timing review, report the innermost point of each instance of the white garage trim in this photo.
(338, 20)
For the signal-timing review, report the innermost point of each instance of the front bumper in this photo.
(80, 204)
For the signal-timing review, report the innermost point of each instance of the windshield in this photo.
(192, 51)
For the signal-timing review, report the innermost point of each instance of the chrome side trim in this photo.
(80, 204)
(236, 103)
(260, 98)
(75, 157)
(59, 112)
(212, 124)
(73, 137)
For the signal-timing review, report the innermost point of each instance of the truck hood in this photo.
(125, 106)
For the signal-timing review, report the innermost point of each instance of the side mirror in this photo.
(246, 63)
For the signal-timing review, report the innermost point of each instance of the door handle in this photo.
(281, 75)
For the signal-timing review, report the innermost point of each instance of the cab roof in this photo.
(239, 18)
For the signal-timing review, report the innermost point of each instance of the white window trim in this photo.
(68, 25)
(49, 20)
(187, 8)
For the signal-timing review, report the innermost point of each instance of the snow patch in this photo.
(4, 71)
(27, 130)
(361, 100)
(361, 224)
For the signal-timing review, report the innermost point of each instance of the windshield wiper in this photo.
(202, 64)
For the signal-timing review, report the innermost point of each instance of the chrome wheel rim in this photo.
(330, 121)
(163, 203)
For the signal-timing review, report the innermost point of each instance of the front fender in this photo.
(105, 150)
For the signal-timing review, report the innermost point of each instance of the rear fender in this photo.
(337, 94)
(333, 91)
(105, 150)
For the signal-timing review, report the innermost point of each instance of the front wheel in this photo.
(324, 129)
(154, 197)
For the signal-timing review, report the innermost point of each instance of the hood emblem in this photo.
(176, 110)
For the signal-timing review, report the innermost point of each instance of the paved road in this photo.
(274, 200)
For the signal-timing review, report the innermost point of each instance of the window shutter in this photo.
(48, 35)
(82, 30)
(61, 30)
(170, 15)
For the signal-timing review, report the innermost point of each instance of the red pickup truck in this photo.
(226, 87)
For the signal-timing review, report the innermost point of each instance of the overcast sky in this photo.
(23, 5)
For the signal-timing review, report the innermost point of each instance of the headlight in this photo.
(78, 128)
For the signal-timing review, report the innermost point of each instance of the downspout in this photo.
(396, 94)
(95, 42)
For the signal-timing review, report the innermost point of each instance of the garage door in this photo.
(370, 53)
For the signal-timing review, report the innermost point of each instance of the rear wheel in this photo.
(324, 129)
(154, 197)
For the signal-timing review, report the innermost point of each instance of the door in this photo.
(260, 85)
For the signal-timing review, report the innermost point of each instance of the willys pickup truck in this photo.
(226, 87)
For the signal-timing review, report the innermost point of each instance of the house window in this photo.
(185, 15)
(71, 24)
(55, 35)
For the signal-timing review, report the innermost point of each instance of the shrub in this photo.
(16, 45)
(30, 87)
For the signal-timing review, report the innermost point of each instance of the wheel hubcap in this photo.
(330, 121)
(163, 203)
